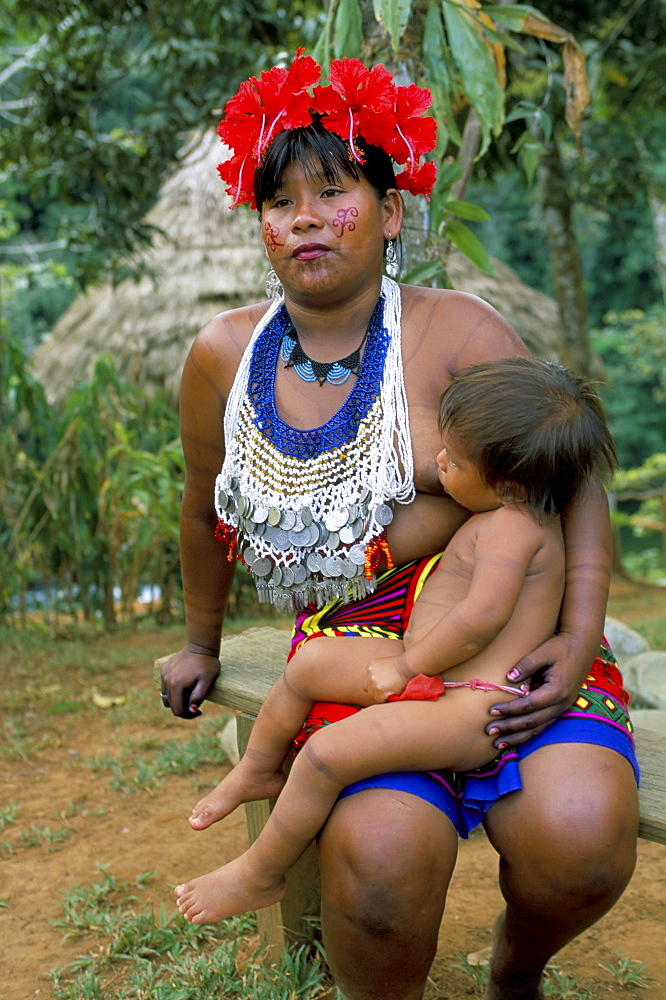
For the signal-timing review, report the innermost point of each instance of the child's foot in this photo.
(226, 892)
(242, 784)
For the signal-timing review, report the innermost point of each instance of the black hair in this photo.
(534, 430)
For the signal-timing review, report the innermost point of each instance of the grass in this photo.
(136, 953)
(129, 951)
(141, 767)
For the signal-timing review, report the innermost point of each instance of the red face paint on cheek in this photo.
(271, 234)
(344, 220)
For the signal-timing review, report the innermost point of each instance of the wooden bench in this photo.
(252, 661)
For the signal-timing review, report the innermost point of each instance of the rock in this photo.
(645, 678)
(649, 718)
(624, 641)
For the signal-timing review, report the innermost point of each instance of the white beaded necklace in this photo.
(306, 526)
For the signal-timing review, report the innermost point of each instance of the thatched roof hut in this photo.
(207, 259)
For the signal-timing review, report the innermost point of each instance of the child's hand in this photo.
(386, 677)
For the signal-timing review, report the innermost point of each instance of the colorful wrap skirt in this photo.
(599, 715)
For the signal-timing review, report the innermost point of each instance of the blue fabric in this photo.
(465, 799)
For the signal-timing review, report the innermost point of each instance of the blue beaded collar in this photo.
(343, 425)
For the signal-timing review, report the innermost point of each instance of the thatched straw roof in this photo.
(210, 259)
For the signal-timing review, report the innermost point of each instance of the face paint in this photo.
(271, 236)
(344, 215)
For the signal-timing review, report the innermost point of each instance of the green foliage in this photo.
(99, 97)
(90, 498)
(164, 957)
(628, 973)
(633, 348)
(138, 768)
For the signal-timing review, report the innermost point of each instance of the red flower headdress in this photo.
(357, 101)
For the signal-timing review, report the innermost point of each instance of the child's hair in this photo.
(534, 430)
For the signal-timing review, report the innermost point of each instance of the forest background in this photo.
(98, 98)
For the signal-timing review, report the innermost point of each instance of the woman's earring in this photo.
(274, 288)
(391, 260)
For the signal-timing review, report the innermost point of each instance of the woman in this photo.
(329, 206)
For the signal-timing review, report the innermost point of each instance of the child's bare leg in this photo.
(404, 736)
(323, 669)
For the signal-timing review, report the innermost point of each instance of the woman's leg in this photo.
(409, 736)
(567, 844)
(386, 859)
(323, 669)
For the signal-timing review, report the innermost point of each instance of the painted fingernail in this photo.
(493, 732)
(502, 746)
(513, 674)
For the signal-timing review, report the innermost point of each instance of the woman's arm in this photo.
(207, 574)
(564, 661)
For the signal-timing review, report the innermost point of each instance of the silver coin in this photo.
(333, 540)
(347, 536)
(274, 515)
(356, 555)
(280, 539)
(352, 512)
(262, 567)
(300, 538)
(348, 569)
(365, 495)
(233, 484)
(222, 499)
(242, 506)
(260, 514)
(306, 516)
(383, 514)
(322, 533)
(314, 562)
(287, 520)
(333, 566)
(336, 519)
(358, 527)
(287, 576)
(276, 577)
(249, 555)
(260, 529)
(300, 574)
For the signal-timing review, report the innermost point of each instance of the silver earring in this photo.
(391, 260)
(274, 288)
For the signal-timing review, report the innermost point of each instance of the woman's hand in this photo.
(562, 669)
(385, 677)
(187, 677)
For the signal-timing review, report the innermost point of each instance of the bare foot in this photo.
(242, 784)
(506, 983)
(235, 888)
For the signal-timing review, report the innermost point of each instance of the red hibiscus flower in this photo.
(358, 100)
(419, 181)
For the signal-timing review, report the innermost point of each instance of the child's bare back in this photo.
(536, 611)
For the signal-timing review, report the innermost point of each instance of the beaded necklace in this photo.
(307, 509)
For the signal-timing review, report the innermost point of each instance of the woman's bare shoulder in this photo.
(463, 326)
(219, 345)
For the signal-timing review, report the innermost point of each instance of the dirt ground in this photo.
(128, 835)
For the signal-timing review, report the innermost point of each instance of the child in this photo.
(520, 437)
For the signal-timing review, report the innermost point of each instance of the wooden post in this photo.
(283, 921)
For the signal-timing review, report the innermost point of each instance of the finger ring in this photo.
(165, 698)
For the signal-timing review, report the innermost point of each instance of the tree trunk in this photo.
(556, 209)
